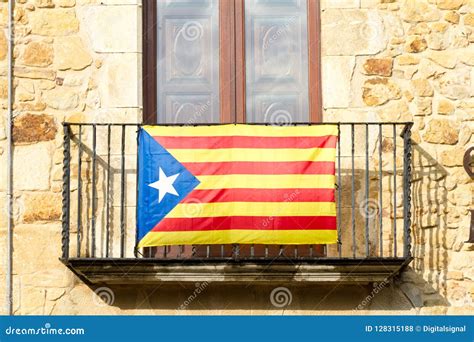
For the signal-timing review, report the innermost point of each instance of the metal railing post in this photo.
(66, 191)
(407, 153)
(122, 193)
(94, 190)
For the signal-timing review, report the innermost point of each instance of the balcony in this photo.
(373, 199)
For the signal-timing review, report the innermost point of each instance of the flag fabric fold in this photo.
(243, 184)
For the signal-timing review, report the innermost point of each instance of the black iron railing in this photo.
(373, 198)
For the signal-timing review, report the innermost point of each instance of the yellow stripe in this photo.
(242, 130)
(271, 209)
(268, 237)
(253, 155)
(266, 182)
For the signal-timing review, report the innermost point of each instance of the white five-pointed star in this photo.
(164, 185)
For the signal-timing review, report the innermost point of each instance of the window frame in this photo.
(231, 61)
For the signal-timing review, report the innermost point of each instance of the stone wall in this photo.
(80, 61)
(413, 61)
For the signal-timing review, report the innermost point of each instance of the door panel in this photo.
(276, 42)
(188, 61)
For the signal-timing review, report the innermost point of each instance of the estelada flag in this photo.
(242, 184)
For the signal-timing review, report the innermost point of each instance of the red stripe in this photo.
(247, 222)
(260, 195)
(261, 168)
(247, 142)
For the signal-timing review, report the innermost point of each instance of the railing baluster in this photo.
(407, 190)
(394, 190)
(367, 202)
(380, 192)
(122, 195)
(66, 191)
(137, 166)
(339, 192)
(353, 191)
(107, 196)
(94, 188)
(237, 251)
(79, 192)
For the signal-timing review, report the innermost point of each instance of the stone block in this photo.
(415, 44)
(352, 32)
(34, 73)
(450, 4)
(445, 107)
(422, 106)
(37, 54)
(441, 131)
(422, 87)
(119, 86)
(32, 128)
(339, 4)
(54, 22)
(3, 46)
(37, 248)
(415, 11)
(446, 59)
(452, 17)
(112, 28)
(70, 53)
(378, 91)
(407, 60)
(469, 19)
(32, 166)
(453, 157)
(42, 206)
(378, 66)
(62, 98)
(455, 84)
(336, 73)
(467, 55)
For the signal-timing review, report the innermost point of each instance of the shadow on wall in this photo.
(425, 282)
(212, 298)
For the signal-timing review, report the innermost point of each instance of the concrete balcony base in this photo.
(153, 271)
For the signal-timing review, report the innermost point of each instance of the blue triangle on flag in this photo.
(151, 157)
